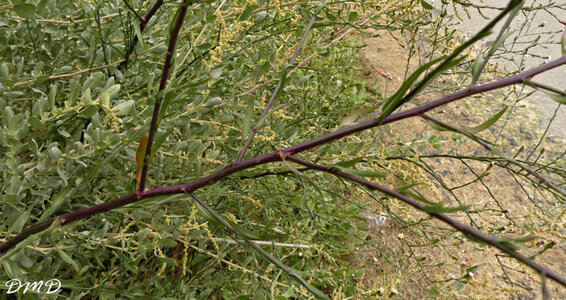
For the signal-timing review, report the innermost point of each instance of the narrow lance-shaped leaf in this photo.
(477, 67)
(442, 209)
(67, 258)
(447, 127)
(404, 189)
(249, 115)
(140, 153)
(395, 101)
(560, 98)
(544, 249)
(433, 75)
(356, 172)
(485, 125)
(349, 162)
(440, 127)
(355, 115)
(451, 59)
(509, 244)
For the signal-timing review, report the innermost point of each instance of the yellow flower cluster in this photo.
(281, 114)
(227, 34)
(213, 161)
(253, 201)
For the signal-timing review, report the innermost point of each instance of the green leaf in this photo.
(352, 16)
(485, 125)
(558, 98)
(50, 28)
(88, 111)
(11, 268)
(74, 94)
(63, 70)
(213, 101)
(305, 78)
(477, 67)
(525, 238)
(140, 153)
(438, 209)
(404, 188)
(159, 139)
(481, 61)
(216, 74)
(472, 269)
(356, 172)
(51, 96)
(138, 32)
(25, 10)
(433, 292)
(420, 198)
(244, 233)
(109, 93)
(19, 223)
(544, 249)
(67, 258)
(355, 115)
(395, 101)
(509, 244)
(124, 108)
(426, 5)
(563, 43)
(349, 163)
(440, 127)
(58, 200)
(249, 115)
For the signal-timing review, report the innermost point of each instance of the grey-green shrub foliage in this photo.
(73, 115)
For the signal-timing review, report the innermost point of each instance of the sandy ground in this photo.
(501, 278)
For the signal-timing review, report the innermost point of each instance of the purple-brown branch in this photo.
(143, 24)
(162, 85)
(467, 230)
(279, 155)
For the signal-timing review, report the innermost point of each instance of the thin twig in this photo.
(143, 24)
(6, 7)
(546, 87)
(262, 243)
(133, 10)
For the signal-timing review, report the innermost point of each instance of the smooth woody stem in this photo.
(162, 85)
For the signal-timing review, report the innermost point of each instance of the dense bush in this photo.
(164, 135)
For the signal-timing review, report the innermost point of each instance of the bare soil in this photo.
(407, 261)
